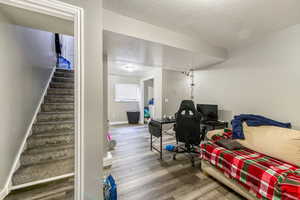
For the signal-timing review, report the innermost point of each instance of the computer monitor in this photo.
(208, 112)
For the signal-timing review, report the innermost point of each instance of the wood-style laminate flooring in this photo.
(140, 175)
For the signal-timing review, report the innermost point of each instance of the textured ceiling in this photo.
(122, 49)
(117, 68)
(225, 23)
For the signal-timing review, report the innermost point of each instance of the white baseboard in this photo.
(3, 193)
(118, 123)
(42, 181)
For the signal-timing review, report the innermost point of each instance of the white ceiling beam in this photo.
(128, 26)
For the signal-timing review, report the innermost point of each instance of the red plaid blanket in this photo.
(268, 178)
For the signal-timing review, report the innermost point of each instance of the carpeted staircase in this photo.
(50, 149)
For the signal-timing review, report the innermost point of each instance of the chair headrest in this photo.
(187, 105)
(187, 108)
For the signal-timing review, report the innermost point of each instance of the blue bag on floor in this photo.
(110, 188)
(170, 147)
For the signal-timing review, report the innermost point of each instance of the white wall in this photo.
(27, 58)
(117, 110)
(175, 89)
(261, 79)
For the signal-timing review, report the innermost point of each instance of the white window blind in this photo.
(127, 92)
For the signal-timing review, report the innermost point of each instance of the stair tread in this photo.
(43, 157)
(57, 103)
(42, 190)
(60, 89)
(37, 172)
(64, 74)
(51, 134)
(59, 131)
(58, 71)
(56, 118)
(64, 78)
(62, 131)
(71, 89)
(57, 82)
(64, 85)
(59, 95)
(64, 70)
(40, 150)
(53, 123)
(56, 112)
(46, 149)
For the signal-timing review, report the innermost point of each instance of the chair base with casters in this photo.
(189, 152)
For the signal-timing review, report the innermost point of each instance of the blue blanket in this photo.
(252, 120)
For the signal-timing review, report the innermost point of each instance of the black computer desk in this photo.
(212, 125)
(161, 122)
(208, 125)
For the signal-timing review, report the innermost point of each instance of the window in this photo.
(127, 92)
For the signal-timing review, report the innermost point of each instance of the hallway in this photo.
(141, 175)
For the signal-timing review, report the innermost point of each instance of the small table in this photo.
(161, 122)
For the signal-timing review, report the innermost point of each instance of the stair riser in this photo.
(47, 156)
(40, 172)
(63, 80)
(57, 107)
(53, 128)
(58, 196)
(64, 74)
(55, 117)
(57, 140)
(64, 70)
(59, 99)
(62, 85)
(56, 91)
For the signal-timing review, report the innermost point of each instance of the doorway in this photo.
(148, 99)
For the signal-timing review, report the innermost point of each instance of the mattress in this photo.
(265, 177)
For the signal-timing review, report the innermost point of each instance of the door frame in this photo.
(142, 103)
(69, 12)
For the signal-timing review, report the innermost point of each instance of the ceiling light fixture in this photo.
(130, 68)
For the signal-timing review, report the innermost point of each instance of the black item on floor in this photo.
(187, 129)
(133, 117)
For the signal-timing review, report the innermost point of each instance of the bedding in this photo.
(276, 142)
(252, 120)
(264, 176)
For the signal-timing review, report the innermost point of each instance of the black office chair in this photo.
(187, 129)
